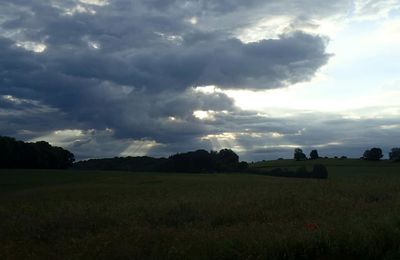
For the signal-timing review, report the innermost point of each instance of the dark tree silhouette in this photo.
(242, 166)
(299, 155)
(375, 154)
(228, 160)
(191, 162)
(314, 155)
(136, 164)
(394, 154)
(197, 161)
(39, 155)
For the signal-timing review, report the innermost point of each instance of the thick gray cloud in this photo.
(126, 70)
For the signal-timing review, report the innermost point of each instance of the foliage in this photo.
(299, 155)
(394, 154)
(138, 164)
(242, 166)
(314, 155)
(196, 161)
(227, 160)
(375, 154)
(39, 155)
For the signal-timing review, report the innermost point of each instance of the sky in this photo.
(105, 78)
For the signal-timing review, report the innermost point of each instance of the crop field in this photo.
(50, 214)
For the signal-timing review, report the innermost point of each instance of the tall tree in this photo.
(314, 155)
(299, 155)
(375, 154)
(394, 154)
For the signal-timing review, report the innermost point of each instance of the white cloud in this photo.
(95, 2)
(374, 9)
(267, 28)
(176, 39)
(79, 9)
(94, 45)
(32, 46)
(193, 20)
(64, 138)
(204, 115)
(386, 127)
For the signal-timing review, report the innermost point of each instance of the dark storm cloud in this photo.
(131, 66)
(21, 116)
(157, 52)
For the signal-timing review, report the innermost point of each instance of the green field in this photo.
(115, 215)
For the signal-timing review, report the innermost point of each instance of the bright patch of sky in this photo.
(32, 46)
(139, 148)
(95, 2)
(363, 72)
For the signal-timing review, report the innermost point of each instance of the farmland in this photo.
(61, 214)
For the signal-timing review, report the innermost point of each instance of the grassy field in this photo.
(115, 215)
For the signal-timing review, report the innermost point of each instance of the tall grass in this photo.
(114, 215)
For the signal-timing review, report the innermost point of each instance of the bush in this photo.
(320, 171)
(302, 172)
(276, 172)
(243, 166)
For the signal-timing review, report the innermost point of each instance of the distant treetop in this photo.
(375, 154)
(394, 154)
(39, 155)
(192, 162)
(299, 155)
(314, 155)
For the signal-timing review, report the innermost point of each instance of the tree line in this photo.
(41, 155)
(200, 161)
(38, 155)
(373, 154)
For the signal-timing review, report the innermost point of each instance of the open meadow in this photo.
(55, 214)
